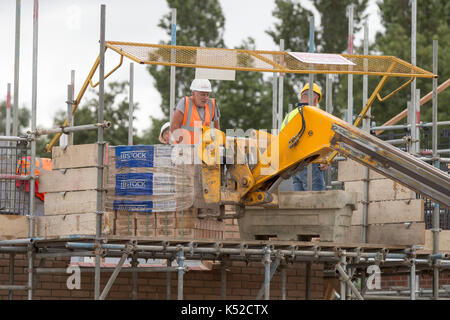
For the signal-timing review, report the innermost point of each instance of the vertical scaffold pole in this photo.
(280, 91)
(267, 273)
(100, 151)
(308, 281)
(173, 59)
(134, 278)
(168, 280)
(72, 83)
(8, 110)
(33, 145)
(342, 281)
(274, 101)
(69, 113)
(11, 274)
(417, 118)
(309, 177)
(283, 281)
(366, 127)
(329, 109)
(131, 106)
(16, 71)
(180, 262)
(350, 76)
(223, 287)
(436, 209)
(412, 106)
(412, 280)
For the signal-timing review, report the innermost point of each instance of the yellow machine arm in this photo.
(245, 171)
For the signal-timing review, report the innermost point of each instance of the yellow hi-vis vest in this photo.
(291, 114)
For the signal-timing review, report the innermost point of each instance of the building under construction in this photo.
(197, 222)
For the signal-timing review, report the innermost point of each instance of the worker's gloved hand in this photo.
(323, 166)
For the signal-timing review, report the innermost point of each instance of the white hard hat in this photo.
(201, 85)
(164, 127)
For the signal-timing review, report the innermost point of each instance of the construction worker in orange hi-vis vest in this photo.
(23, 169)
(191, 113)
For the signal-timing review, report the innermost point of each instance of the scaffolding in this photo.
(348, 261)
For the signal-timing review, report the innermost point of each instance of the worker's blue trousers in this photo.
(300, 180)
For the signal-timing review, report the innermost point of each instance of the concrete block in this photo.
(76, 156)
(71, 202)
(381, 190)
(316, 213)
(350, 170)
(391, 212)
(13, 227)
(391, 233)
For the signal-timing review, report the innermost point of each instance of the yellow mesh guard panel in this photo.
(264, 61)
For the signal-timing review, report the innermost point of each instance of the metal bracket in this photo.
(218, 246)
(243, 246)
(358, 254)
(316, 249)
(191, 246)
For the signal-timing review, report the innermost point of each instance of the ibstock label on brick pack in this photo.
(145, 206)
(135, 206)
(143, 156)
(144, 184)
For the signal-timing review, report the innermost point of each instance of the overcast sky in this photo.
(68, 40)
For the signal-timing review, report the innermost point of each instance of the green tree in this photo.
(330, 37)
(293, 27)
(199, 23)
(24, 124)
(24, 119)
(333, 30)
(433, 22)
(115, 110)
(246, 102)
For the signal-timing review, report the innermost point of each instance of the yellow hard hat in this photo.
(316, 89)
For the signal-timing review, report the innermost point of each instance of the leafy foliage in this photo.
(199, 23)
(115, 110)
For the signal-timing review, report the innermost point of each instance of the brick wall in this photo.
(243, 282)
(425, 280)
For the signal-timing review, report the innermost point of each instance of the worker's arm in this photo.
(217, 124)
(175, 124)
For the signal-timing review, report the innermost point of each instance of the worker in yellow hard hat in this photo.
(300, 179)
(304, 100)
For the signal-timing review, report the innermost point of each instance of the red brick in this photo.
(234, 284)
(241, 291)
(204, 290)
(79, 293)
(50, 285)
(60, 293)
(237, 276)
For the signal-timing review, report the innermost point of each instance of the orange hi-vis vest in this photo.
(192, 120)
(23, 169)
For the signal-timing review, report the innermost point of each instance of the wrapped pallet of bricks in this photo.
(153, 189)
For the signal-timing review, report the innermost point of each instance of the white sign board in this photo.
(212, 57)
(321, 58)
(215, 74)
